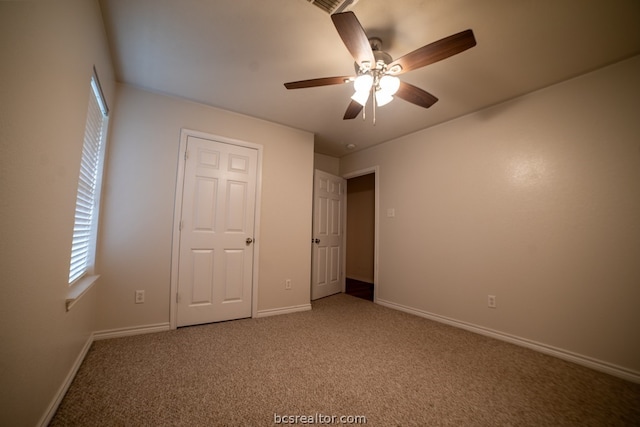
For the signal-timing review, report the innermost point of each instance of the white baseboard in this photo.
(134, 330)
(589, 362)
(283, 310)
(53, 406)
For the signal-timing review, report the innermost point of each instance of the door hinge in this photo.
(186, 155)
(177, 298)
(180, 225)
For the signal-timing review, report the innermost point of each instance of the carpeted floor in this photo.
(346, 357)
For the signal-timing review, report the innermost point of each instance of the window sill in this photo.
(78, 289)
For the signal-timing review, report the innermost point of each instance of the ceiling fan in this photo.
(376, 71)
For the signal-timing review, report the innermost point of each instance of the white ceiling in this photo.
(236, 55)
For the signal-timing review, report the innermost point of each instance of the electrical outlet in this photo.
(139, 297)
(491, 301)
(287, 284)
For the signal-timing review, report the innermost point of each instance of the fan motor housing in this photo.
(382, 56)
(379, 55)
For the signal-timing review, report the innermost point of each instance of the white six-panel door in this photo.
(215, 270)
(327, 267)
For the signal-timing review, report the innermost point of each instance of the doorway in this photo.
(361, 234)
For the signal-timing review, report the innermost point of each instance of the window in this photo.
(87, 201)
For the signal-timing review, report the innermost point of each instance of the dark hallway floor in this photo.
(359, 289)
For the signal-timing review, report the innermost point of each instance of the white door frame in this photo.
(175, 244)
(376, 171)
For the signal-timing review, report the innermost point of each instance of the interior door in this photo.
(215, 269)
(327, 266)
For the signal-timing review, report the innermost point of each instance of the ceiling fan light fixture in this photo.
(389, 84)
(383, 98)
(361, 97)
(363, 83)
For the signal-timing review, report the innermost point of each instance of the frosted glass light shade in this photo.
(389, 84)
(383, 98)
(363, 83)
(361, 97)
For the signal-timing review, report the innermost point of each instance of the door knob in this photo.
(249, 240)
(316, 241)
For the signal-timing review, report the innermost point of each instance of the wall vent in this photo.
(333, 6)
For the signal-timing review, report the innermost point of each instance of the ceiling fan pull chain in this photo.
(373, 104)
(364, 113)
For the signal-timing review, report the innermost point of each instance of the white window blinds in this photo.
(85, 225)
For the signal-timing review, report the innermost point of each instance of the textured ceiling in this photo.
(237, 54)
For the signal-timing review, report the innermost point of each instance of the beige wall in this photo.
(48, 50)
(535, 201)
(135, 251)
(326, 163)
(361, 227)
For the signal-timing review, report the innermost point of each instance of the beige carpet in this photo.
(346, 357)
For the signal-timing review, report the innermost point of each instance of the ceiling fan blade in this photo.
(324, 81)
(435, 51)
(415, 95)
(353, 110)
(354, 37)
